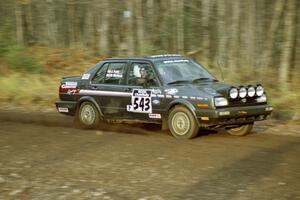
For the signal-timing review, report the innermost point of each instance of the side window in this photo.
(115, 73)
(139, 73)
(100, 75)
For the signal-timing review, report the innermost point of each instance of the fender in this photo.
(92, 100)
(185, 103)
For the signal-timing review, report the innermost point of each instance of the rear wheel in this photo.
(241, 130)
(182, 123)
(87, 115)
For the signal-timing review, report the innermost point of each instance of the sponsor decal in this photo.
(154, 116)
(74, 91)
(156, 91)
(160, 95)
(114, 73)
(140, 101)
(69, 85)
(155, 100)
(168, 96)
(193, 98)
(176, 97)
(85, 76)
(175, 61)
(64, 110)
(199, 98)
(184, 97)
(171, 91)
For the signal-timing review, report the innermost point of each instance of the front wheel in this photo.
(241, 130)
(182, 123)
(87, 116)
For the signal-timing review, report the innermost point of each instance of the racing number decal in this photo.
(141, 104)
(140, 101)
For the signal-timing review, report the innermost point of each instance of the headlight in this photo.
(251, 91)
(221, 101)
(261, 99)
(242, 92)
(259, 90)
(233, 93)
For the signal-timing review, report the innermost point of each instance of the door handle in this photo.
(94, 87)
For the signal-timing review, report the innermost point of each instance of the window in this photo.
(174, 70)
(100, 75)
(115, 73)
(141, 74)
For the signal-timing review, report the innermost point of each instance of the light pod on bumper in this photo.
(251, 91)
(242, 92)
(259, 90)
(233, 93)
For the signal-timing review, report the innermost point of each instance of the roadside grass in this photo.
(29, 89)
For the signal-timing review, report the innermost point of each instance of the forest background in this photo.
(251, 40)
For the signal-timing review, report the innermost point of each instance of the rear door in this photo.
(109, 90)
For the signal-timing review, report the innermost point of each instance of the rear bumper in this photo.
(66, 107)
(233, 115)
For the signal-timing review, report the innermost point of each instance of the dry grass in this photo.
(29, 89)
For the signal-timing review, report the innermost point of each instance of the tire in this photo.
(87, 116)
(182, 123)
(241, 130)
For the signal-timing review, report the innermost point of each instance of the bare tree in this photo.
(288, 43)
(19, 22)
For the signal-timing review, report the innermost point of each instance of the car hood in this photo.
(204, 89)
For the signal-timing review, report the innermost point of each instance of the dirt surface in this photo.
(143, 163)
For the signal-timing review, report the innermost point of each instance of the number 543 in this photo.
(142, 104)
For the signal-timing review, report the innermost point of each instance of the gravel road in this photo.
(143, 163)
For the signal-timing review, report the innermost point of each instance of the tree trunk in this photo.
(270, 36)
(206, 12)
(288, 44)
(104, 25)
(222, 33)
(140, 26)
(51, 24)
(19, 23)
(180, 26)
(128, 15)
(234, 37)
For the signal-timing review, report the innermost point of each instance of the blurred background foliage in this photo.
(250, 40)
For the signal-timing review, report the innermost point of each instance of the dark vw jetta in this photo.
(172, 90)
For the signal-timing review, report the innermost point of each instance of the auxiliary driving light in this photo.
(251, 91)
(233, 93)
(259, 90)
(242, 92)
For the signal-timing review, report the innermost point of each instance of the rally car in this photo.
(172, 90)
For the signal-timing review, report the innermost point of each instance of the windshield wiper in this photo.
(203, 79)
(178, 82)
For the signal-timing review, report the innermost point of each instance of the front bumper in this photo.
(233, 115)
(66, 107)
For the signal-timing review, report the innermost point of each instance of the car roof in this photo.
(150, 58)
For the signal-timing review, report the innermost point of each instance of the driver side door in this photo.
(143, 103)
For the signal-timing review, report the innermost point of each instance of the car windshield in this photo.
(182, 71)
